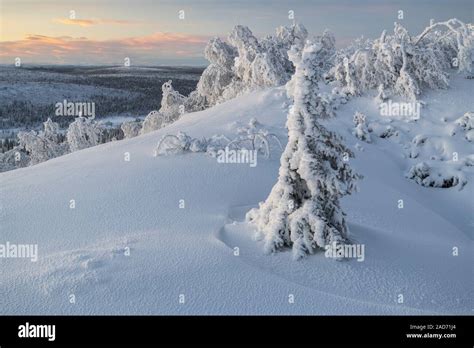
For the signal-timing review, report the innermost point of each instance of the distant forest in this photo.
(137, 91)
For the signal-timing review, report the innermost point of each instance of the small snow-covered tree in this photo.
(172, 144)
(268, 70)
(83, 133)
(172, 107)
(153, 121)
(131, 129)
(466, 121)
(303, 210)
(220, 53)
(218, 75)
(43, 145)
(247, 47)
(256, 137)
(326, 55)
(265, 63)
(360, 130)
(172, 103)
(381, 95)
(213, 82)
(14, 158)
(288, 36)
(51, 130)
(436, 176)
(195, 102)
(34, 145)
(181, 142)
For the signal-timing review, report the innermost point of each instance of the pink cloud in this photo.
(79, 22)
(91, 22)
(64, 49)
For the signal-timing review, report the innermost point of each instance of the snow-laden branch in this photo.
(448, 24)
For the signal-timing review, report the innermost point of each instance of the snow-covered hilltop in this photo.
(155, 223)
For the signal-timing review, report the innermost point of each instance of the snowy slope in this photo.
(190, 251)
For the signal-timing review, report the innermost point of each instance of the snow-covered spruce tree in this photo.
(44, 145)
(303, 210)
(83, 133)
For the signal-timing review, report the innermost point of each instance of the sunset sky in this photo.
(151, 32)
